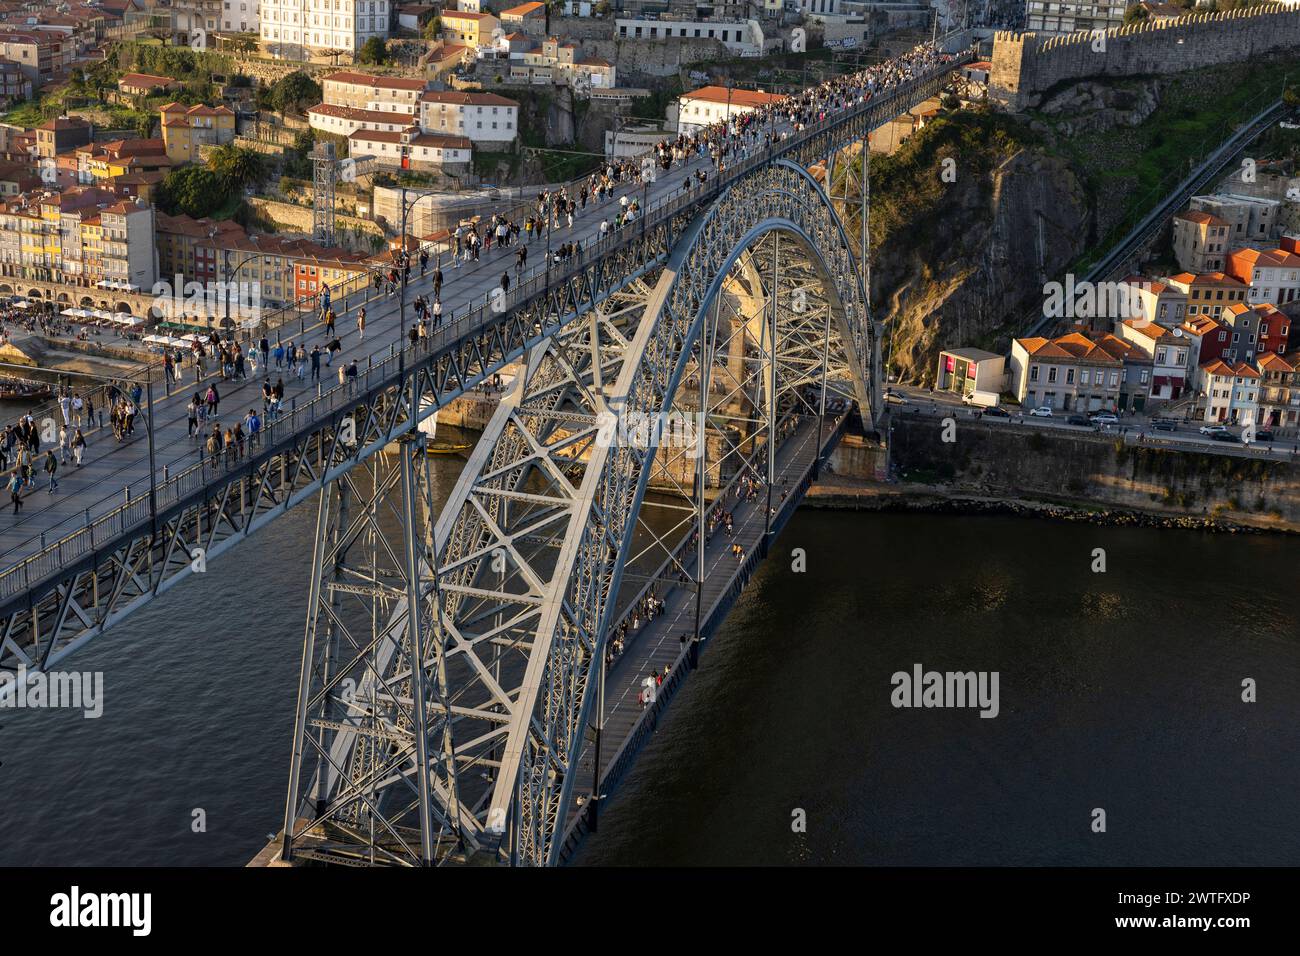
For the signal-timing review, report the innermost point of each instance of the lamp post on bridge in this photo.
(226, 324)
(402, 278)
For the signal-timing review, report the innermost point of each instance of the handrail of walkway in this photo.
(74, 542)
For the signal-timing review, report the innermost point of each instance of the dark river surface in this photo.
(1120, 691)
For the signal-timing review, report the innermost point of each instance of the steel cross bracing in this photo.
(80, 586)
(527, 557)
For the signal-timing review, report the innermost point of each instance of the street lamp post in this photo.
(225, 318)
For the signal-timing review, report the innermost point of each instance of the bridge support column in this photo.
(372, 723)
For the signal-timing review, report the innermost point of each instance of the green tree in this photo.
(373, 52)
(238, 167)
(1136, 14)
(294, 93)
(193, 190)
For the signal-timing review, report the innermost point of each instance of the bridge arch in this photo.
(529, 552)
(781, 208)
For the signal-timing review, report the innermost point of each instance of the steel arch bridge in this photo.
(74, 588)
(516, 584)
(514, 592)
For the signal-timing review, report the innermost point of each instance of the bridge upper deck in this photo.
(124, 487)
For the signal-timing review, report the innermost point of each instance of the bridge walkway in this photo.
(657, 644)
(110, 467)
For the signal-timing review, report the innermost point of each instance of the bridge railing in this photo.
(140, 502)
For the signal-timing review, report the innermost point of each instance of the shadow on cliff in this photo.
(968, 220)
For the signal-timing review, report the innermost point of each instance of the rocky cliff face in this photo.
(963, 263)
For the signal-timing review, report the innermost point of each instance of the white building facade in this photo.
(240, 16)
(345, 25)
(481, 117)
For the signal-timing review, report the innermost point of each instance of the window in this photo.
(1051, 375)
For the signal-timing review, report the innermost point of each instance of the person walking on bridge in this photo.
(361, 324)
(15, 487)
(52, 469)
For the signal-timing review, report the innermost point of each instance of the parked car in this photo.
(1078, 420)
(1213, 429)
(996, 412)
(1264, 434)
(1164, 424)
(1105, 418)
(1226, 436)
(1042, 411)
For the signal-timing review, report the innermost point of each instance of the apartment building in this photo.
(40, 56)
(129, 260)
(393, 94)
(102, 163)
(1209, 341)
(1171, 353)
(334, 268)
(1273, 275)
(412, 149)
(740, 37)
(288, 26)
(1071, 16)
(15, 86)
(1249, 218)
(1208, 293)
(144, 84)
(1069, 373)
(346, 120)
(529, 18)
(1157, 301)
(714, 104)
(557, 62)
(81, 238)
(1279, 392)
(487, 119)
(1231, 392)
(470, 29)
(62, 134)
(186, 129)
(1200, 241)
(239, 16)
(189, 247)
(1255, 329)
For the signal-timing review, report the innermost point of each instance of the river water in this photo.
(1118, 690)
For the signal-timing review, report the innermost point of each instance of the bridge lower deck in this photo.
(657, 646)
